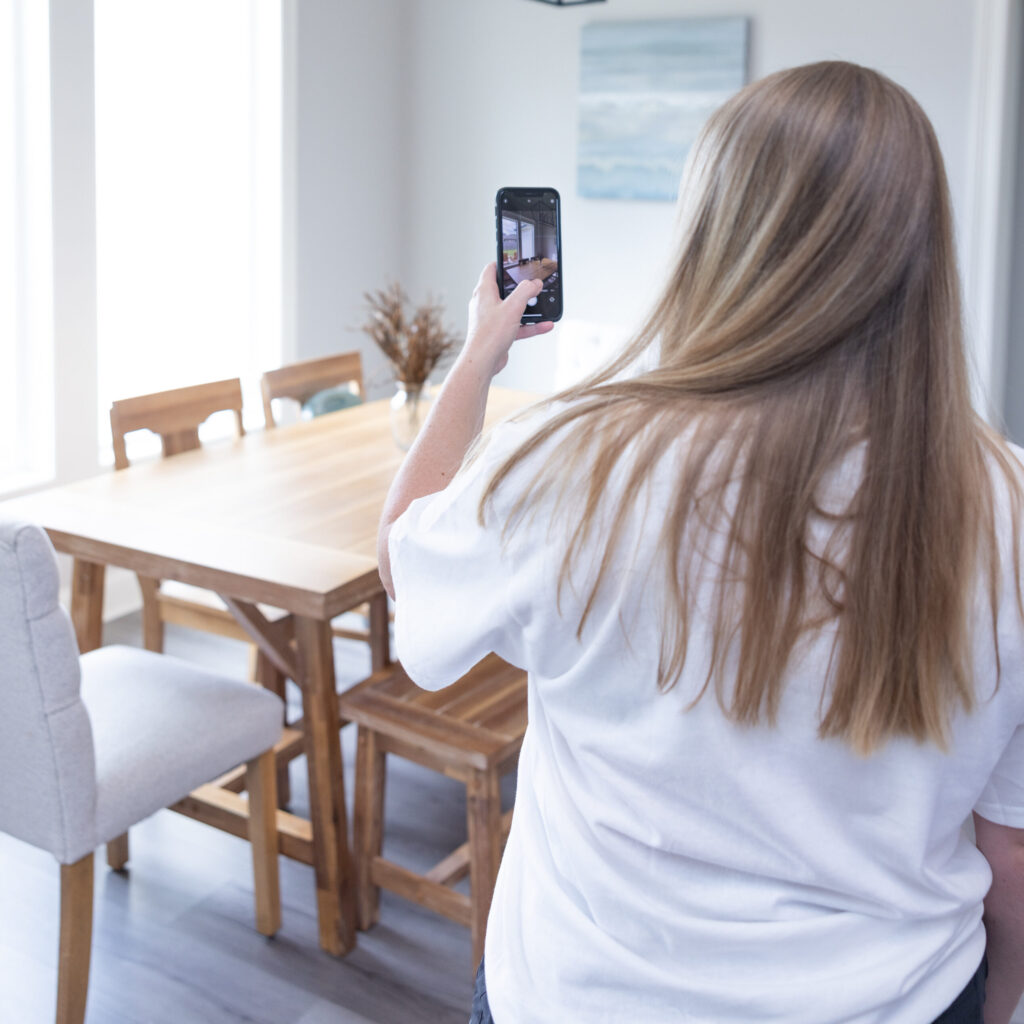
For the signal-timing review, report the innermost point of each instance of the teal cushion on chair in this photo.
(330, 400)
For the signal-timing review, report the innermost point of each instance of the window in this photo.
(26, 283)
(188, 168)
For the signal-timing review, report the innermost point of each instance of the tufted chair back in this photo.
(47, 762)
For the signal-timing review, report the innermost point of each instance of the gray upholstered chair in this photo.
(91, 745)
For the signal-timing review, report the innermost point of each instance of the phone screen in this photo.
(530, 246)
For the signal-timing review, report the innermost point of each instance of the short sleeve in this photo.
(454, 579)
(1002, 800)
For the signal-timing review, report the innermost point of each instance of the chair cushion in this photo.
(161, 727)
(330, 400)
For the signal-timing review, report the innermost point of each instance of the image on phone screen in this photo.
(530, 247)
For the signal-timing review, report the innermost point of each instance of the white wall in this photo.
(1013, 386)
(74, 237)
(477, 122)
(350, 169)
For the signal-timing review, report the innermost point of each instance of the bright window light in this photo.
(188, 169)
(26, 277)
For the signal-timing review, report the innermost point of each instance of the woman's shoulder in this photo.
(530, 433)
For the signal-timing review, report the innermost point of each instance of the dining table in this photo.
(283, 518)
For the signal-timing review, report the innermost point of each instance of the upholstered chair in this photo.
(91, 745)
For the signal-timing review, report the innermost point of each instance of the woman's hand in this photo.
(494, 322)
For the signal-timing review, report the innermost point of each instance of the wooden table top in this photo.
(286, 517)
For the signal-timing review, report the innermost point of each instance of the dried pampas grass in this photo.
(414, 347)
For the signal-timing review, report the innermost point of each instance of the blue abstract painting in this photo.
(646, 89)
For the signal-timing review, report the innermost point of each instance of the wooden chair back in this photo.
(175, 415)
(301, 381)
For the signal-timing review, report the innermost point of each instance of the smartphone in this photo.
(529, 229)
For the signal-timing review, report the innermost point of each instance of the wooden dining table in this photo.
(285, 518)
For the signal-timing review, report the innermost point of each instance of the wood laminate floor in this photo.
(173, 939)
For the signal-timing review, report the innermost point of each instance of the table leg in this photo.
(332, 859)
(380, 632)
(87, 603)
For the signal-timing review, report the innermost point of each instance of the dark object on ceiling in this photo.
(570, 3)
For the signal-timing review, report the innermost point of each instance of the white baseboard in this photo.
(121, 595)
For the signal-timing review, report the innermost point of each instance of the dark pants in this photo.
(966, 1008)
(481, 1013)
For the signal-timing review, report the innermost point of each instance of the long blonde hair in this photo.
(814, 305)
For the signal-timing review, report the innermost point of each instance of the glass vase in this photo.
(409, 409)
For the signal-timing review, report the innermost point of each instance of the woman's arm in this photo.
(1003, 848)
(458, 414)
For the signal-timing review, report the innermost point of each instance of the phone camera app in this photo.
(529, 246)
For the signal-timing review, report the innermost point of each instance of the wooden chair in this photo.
(471, 731)
(301, 381)
(90, 746)
(176, 416)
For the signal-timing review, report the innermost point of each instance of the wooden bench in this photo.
(471, 731)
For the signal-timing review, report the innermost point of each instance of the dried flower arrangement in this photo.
(414, 346)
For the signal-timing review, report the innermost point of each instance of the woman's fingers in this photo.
(530, 330)
(520, 296)
(526, 290)
(488, 281)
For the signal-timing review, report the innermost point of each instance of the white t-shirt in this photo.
(668, 865)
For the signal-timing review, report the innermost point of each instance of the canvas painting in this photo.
(646, 89)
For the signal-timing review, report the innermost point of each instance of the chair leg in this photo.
(368, 823)
(284, 784)
(269, 676)
(75, 940)
(380, 632)
(483, 818)
(117, 852)
(260, 782)
(152, 620)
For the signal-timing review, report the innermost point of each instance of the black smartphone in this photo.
(529, 229)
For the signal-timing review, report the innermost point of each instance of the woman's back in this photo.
(665, 862)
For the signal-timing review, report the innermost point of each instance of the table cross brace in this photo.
(274, 639)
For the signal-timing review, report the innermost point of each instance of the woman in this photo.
(768, 596)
